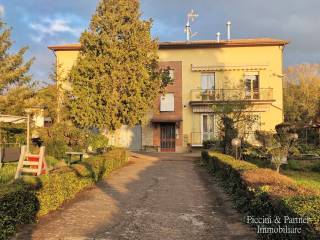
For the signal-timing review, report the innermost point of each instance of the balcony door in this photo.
(252, 85)
(207, 86)
(207, 127)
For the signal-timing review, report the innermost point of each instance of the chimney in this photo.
(229, 30)
(218, 36)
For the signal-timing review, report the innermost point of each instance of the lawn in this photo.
(7, 173)
(304, 172)
(306, 178)
(8, 170)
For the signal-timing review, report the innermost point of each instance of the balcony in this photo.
(200, 96)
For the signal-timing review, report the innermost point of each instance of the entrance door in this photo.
(168, 137)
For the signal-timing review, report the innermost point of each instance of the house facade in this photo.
(204, 73)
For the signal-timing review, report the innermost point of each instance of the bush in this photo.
(316, 167)
(308, 149)
(56, 148)
(98, 142)
(294, 165)
(263, 192)
(25, 200)
(62, 137)
(212, 144)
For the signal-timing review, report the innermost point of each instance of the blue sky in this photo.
(39, 23)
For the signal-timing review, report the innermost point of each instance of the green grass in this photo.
(7, 172)
(305, 173)
(305, 178)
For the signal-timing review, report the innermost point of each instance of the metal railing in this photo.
(197, 138)
(222, 95)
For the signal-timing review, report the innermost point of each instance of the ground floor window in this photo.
(207, 126)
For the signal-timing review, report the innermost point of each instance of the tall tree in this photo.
(116, 78)
(13, 69)
(302, 92)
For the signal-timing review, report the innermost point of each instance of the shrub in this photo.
(294, 165)
(56, 148)
(29, 198)
(211, 144)
(263, 192)
(316, 167)
(308, 149)
(98, 142)
(18, 205)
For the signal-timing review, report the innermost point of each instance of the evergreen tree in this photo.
(116, 78)
(13, 70)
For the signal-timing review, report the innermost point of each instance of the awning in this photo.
(195, 68)
(166, 120)
(12, 119)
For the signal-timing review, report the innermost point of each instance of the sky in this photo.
(39, 23)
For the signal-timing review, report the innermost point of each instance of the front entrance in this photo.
(168, 137)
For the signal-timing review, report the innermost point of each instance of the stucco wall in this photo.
(232, 64)
(237, 59)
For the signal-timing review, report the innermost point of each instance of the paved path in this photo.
(154, 197)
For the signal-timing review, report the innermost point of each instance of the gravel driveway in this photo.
(156, 196)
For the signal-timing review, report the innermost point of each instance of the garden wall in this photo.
(264, 194)
(22, 202)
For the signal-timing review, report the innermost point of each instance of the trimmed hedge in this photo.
(263, 193)
(29, 198)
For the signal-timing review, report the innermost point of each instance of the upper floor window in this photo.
(172, 74)
(167, 103)
(207, 81)
(252, 85)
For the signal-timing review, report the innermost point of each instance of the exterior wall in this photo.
(176, 116)
(230, 65)
(65, 61)
(126, 137)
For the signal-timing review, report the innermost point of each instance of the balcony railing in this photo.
(223, 95)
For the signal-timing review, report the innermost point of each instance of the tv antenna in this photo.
(191, 17)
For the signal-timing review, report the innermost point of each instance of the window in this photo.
(167, 103)
(208, 86)
(172, 74)
(252, 85)
(208, 81)
(207, 127)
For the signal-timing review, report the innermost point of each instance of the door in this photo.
(208, 86)
(135, 138)
(168, 137)
(207, 127)
(252, 86)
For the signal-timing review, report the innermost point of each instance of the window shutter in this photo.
(167, 103)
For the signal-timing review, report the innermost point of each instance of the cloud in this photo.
(2, 10)
(53, 27)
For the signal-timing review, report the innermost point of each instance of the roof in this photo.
(196, 44)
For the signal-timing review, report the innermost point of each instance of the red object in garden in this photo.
(35, 158)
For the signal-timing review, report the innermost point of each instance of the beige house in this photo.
(205, 73)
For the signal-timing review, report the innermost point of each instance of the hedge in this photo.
(264, 193)
(23, 201)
